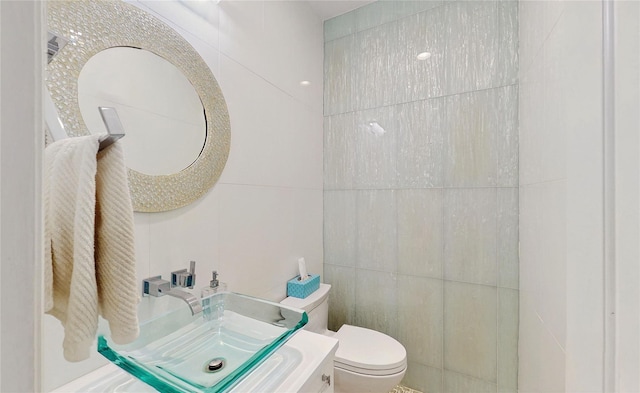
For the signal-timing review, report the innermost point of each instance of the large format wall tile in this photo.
(199, 20)
(545, 104)
(257, 238)
(306, 159)
(470, 235)
(423, 378)
(507, 235)
(375, 73)
(376, 301)
(339, 151)
(242, 35)
(470, 147)
(543, 362)
(374, 14)
(530, 344)
(339, 79)
(506, 106)
(536, 154)
(385, 11)
(420, 232)
(508, 340)
(460, 383)
(549, 215)
(267, 140)
(342, 298)
(376, 136)
(340, 26)
(472, 43)
(536, 19)
(420, 319)
(507, 59)
(376, 239)
(470, 331)
(481, 139)
(543, 271)
(307, 229)
(423, 32)
(172, 243)
(419, 129)
(529, 252)
(340, 227)
(294, 47)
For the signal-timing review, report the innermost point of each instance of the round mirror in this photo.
(157, 105)
(117, 43)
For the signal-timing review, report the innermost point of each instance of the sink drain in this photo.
(215, 365)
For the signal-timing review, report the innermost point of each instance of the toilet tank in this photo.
(317, 307)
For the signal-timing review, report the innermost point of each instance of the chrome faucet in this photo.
(192, 301)
(156, 286)
(183, 278)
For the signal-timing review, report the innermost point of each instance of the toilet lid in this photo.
(368, 351)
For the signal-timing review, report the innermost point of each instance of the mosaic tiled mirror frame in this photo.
(93, 26)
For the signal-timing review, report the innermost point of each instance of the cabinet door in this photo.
(321, 381)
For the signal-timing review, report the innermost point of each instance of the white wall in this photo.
(627, 119)
(20, 201)
(266, 209)
(561, 204)
(1, 186)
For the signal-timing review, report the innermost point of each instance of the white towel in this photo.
(78, 281)
(115, 248)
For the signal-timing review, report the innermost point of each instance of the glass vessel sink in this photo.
(207, 352)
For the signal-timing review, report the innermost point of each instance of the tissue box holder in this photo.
(302, 289)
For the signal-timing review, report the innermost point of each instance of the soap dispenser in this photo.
(213, 306)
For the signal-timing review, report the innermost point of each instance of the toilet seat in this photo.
(368, 352)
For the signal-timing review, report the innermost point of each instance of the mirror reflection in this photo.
(160, 110)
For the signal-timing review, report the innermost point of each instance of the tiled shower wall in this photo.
(421, 216)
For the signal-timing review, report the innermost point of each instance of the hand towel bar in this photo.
(113, 124)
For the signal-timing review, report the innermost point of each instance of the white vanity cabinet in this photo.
(318, 375)
(304, 364)
(322, 380)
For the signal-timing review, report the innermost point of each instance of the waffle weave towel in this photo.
(89, 243)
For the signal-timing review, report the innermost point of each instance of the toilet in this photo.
(366, 361)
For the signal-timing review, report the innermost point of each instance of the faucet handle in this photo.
(183, 278)
(155, 286)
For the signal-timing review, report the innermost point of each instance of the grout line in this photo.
(274, 186)
(608, 215)
(546, 328)
(356, 254)
(424, 188)
(537, 52)
(443, 265)
(397, 260)
(497, 262)
(528, 185)
(255, 73)
(423, 99)
(426, 277)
